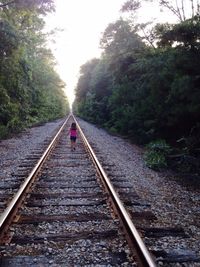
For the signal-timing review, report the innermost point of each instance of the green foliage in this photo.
(155, 156)
(146, 92)
(159, 146)
(3, 131)
(185, 158)
(93, 91)
(184, 34)
(30, 89)
(40, 6)
(155, 160)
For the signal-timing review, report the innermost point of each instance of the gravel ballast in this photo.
(15, 149)
(174, 205)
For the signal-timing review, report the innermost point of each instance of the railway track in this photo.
(171, 244)
(67, 213)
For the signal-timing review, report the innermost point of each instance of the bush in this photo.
(3, 131)
(155, 160)
(155, 156)
(15, 125)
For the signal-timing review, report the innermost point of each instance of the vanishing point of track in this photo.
(67, 213)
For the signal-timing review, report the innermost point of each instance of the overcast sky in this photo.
(83, 22)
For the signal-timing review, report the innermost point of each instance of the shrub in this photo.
(3, 131)
(155, 156)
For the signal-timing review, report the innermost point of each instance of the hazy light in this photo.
(83, 22)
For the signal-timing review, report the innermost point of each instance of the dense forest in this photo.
(30, 89)
(146, 84)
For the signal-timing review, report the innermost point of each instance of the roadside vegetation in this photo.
(31, 91)
(146, 85)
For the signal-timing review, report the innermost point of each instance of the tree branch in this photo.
(183, 10)
(192, 3)
(7, 4)
(170, 7)
(147, 37)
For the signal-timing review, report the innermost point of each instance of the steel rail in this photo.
(5, 216)
(143, 254)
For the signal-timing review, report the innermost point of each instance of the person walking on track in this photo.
(73, 136)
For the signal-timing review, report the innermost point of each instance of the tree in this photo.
(182, 9)
(185, 34)
(31, 91)
(40, 6)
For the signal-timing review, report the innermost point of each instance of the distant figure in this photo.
(73, 135)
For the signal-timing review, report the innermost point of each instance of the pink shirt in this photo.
(73, 133)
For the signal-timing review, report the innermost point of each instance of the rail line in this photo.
(62, 214)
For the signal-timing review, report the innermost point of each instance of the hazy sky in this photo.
(83, 22)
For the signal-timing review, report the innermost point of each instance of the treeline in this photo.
(147, 87)
(30, 90)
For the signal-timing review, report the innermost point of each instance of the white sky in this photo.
(83, 22)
